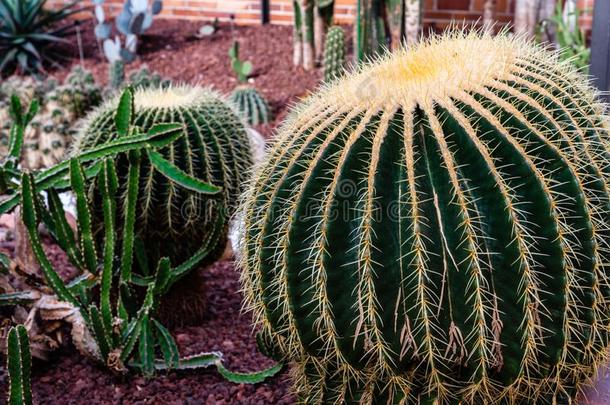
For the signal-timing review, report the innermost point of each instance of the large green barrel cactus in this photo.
(173, 221)
(434, 229)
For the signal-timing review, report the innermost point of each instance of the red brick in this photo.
(437, 13)
(453, 4)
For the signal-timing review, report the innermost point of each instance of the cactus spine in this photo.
(214, 148)
(433, 229)
(251, 105)
(334, 54)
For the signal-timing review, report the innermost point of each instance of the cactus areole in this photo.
(434, 228)
(172, 221)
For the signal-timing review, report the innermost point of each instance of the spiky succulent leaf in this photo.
(249, 378)
(87, 244)
(157, 137)
(29, 29)
(167, 344)
(30, 215)
(129, 214)
(433, 229)
(108, 184)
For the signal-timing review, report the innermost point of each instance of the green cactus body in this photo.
(144, 78)
(116, 74)
(434, 229)
(215, 148)
(334, 54)
(19, 366)
(79, 93)
(251, 105)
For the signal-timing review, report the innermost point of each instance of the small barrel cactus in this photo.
(251, 105)
(433, 229)
(334, 54)
(215, 148)
(144, 78)
(79, 93)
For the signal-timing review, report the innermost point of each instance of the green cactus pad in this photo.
(173, 221)
(434, 228)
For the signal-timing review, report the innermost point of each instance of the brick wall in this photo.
(437, 13)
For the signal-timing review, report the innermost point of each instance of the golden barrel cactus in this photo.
(214, 147)
(433, 229)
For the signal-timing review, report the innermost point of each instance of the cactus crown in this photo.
(214, 148)
(433, 229)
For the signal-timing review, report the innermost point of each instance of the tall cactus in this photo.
(214, 148)
(434, 229)
(386, 24)
(303, 34)
(334, 54)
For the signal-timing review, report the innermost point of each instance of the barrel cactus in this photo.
(334, 54)
(434, 228)
(172, 221)
(251, 105)
(79, 93)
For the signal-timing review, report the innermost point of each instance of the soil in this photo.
(171, 48)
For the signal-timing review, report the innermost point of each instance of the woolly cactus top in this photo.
(173, 97)
(439, 68)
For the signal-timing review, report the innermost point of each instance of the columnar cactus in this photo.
(116, 74)
(334, 54)
(434, 229)
(172, 221)
(251, 105)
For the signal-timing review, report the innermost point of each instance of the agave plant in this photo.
(27, 29)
